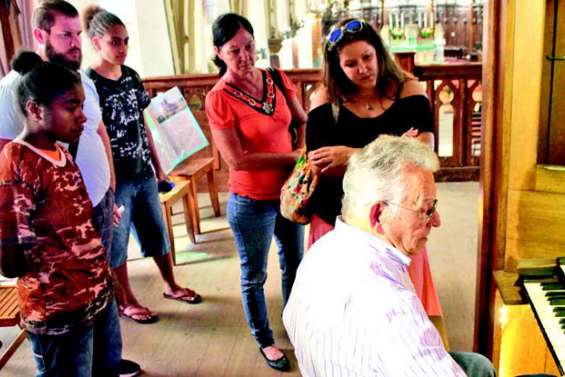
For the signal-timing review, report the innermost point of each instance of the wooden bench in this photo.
(181, 191)
(10, 316)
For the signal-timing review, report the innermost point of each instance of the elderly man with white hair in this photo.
(353, 311)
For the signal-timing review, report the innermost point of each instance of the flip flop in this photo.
(189, 297)
(139, 314)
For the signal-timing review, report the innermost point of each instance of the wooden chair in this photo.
(191, 170)
(181, 191)
(10, 316)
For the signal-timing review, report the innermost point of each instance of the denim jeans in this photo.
(474, 364)
(142, 216)
(93, 350)
(254, 222)
(102, 219)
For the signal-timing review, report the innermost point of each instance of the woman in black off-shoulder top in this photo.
(365, 94)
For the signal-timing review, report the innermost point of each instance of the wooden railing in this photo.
(455, 93)
(461, 80)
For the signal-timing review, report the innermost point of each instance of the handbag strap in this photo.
(277, 79)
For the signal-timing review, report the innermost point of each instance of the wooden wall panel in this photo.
(535, 225)
(550, 178)
(545, 85)
(530, 249)
(557, 111)
(525, 85)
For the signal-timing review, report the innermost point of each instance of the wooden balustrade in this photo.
(461, 79)
(455, 89)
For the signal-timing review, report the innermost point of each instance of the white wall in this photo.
(145, 21)
(150, 51)
(154, 42)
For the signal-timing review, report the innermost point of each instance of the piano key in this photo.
(552, 286)
(550, 316)
(555, 294)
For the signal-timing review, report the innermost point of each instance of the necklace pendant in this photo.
(268, 108)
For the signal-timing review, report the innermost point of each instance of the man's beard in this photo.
(61, 59)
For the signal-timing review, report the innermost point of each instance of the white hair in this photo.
(375, 173)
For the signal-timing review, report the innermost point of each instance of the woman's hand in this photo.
(330, 160)
(412, 132)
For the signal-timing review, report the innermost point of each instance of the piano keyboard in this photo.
(548, 303)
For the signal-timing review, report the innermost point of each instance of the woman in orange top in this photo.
(249, 116)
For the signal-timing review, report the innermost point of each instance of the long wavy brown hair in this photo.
(339, 86)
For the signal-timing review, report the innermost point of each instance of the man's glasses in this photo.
(336, 33)
(428, 214)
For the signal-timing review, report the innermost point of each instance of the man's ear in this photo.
(376, 213)
(40, 35)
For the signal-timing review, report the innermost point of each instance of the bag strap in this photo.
(277, 79)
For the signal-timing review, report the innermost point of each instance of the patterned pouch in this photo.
(297, 191)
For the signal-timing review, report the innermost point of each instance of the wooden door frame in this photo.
(493, 176)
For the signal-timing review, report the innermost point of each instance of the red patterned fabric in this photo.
(45, 210)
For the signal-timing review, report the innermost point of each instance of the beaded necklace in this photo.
(265, 106)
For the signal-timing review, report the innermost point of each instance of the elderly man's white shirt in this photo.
(91, 155)
(353, 312)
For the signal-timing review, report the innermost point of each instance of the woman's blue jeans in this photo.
(254, 222)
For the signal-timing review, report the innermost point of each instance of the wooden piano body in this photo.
(521, 344)
(523, 201)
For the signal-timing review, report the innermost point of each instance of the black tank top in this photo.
(353, 131)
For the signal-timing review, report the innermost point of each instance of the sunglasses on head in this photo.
(337, 32)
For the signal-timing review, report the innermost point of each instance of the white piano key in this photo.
(549, 321)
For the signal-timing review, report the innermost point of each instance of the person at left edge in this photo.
(47, 238)
(56, 30)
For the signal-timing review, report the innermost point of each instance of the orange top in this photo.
(54, 155)
(258, 132)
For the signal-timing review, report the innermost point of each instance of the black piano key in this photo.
(559, 311)
(552, 286)
(556, 301)
(555, 294)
